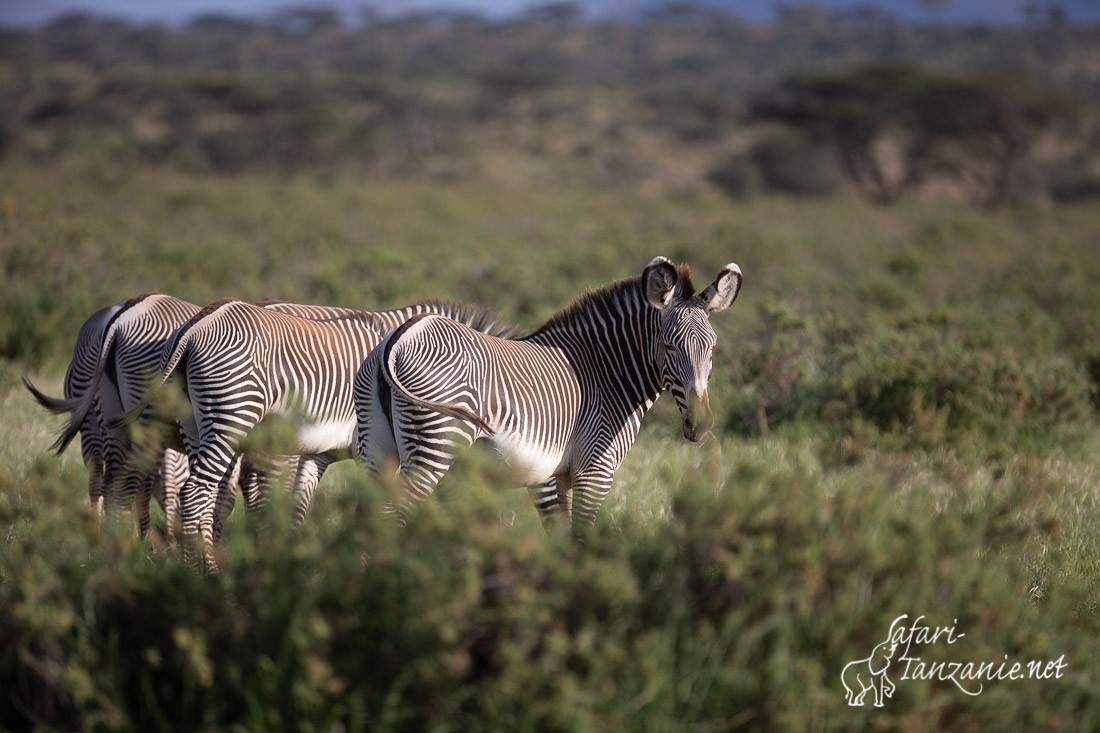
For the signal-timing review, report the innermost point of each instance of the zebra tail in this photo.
(168, 363)
(56, 405)
(456, 411)
(78, 407)
(59, 406)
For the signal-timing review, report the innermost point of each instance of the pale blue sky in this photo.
(24, 12)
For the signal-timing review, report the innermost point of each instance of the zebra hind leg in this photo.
(309, 473)
(166, 490)
(417, 482)
(428, 444)
(261, 475)
(211, 472)
(226, 498)
(91, 451)
(554, 500)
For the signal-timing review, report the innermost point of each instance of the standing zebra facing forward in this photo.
(561, 406)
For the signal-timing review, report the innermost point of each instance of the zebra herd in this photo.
(411, 387)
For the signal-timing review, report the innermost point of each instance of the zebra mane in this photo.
(476, 316)
(685, 288)
(203, 313)
(594, 299)
(208, 309)
(138, 298)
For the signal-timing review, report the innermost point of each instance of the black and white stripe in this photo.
(128, 348)
(118, 351)
(561, 406)
(240, 364)
(78, 380)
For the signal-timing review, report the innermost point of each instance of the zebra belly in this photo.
(309, 434)
(530, 464)
(319, 437)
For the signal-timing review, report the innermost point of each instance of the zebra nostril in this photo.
(689, 430)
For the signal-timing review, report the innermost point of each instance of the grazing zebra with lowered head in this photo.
(241, 365)
(118, 351)
(132, 339)
(561, 406)
(78, 379)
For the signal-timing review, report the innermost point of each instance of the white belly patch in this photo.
(530, 465)
(326, 436)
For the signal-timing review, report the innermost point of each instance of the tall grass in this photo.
(906, 404)
(725, 588)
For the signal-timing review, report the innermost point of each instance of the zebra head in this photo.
(685, 342)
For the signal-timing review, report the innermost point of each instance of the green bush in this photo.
(783, 162)
(927, 379)
(924, 377)
(737, 612)
(772, 369)
(791, 163)
(1076, 186)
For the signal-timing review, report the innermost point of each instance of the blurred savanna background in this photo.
(906, 390)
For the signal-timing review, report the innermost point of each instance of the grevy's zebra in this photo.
(117, 352)
(132, 339)
(561, 406)
(241, 364)
(78, 378)
(309, 469)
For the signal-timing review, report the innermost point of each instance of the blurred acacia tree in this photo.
(980, 128)
(551, 95)
(893, 126)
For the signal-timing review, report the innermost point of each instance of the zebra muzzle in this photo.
(698, 419)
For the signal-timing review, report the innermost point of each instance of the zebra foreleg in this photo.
(590, 488)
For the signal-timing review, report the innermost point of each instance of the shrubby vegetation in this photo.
(928, 379)
(905, 396)
(736, 612)
(668, 100)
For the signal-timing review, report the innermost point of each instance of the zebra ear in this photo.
(659, 282)
(723, 291)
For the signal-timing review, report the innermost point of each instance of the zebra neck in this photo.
(612, 338)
